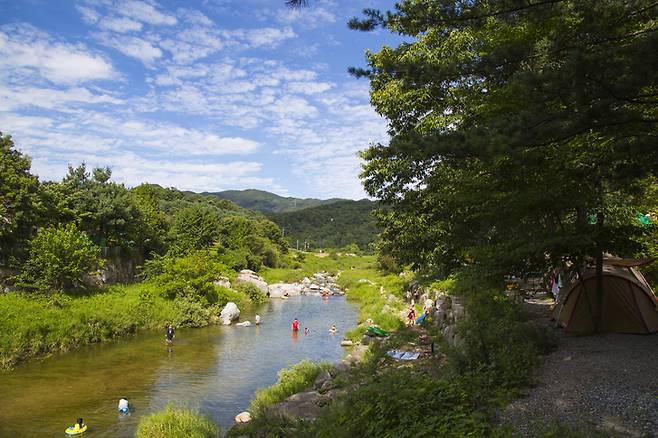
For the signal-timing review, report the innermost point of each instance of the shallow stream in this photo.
(216, 370)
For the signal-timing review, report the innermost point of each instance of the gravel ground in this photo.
(605, 385)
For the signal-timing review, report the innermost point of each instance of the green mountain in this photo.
(333, 225)
(268, 202)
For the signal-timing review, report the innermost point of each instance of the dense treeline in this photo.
(260, 200)
(336, 225)
(56, 233)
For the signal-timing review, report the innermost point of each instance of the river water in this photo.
(216, 370)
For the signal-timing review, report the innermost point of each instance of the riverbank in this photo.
(449, 390)
(35, 326)
(214, 370)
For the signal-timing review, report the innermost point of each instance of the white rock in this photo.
(279, 290)
(243, 417)
(229, 313)
(346, 343)
(248, 276)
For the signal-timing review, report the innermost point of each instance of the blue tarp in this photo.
(402, 355)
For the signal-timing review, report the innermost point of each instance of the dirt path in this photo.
(599, 385)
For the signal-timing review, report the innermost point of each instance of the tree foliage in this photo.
(332, 225)
(513, 124)
(20, 201)
(60, 257)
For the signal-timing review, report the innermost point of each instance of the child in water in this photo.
(170, 333)
(333, 329)
(79, 425)
(123, 406)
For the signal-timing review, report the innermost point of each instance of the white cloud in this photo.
(26, 51)
(309, 87)
(89, 15)
(309, 18)
(145, 12)
(262, 37)
(120, 25)
(131, 46)
(49, 98)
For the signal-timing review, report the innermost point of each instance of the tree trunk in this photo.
(598, 324)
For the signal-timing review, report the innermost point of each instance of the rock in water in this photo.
(229, 313)
(243, 417)
(279, 290)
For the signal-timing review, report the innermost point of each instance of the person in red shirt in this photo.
(411, 317)
(295, 325)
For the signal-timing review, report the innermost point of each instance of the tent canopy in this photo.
(628, 305)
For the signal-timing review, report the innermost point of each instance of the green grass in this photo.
(291, 380)
(372, 303)
(176, 423)
(311, 263)
(37, 325)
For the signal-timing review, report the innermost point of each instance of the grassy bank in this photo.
(291, 381)
(176, 423)
(453, 393)
(38, 325)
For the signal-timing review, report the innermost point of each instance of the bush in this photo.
(192, 276)
(255, 295)
(399, 403)
(291, 380)
(176, 423)
(498, 342)
(59, 258)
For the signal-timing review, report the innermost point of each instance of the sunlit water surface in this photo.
(216, 370)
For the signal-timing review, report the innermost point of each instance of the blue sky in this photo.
(207, 95)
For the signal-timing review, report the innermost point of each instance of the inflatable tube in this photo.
(72, 431)
(124, 411)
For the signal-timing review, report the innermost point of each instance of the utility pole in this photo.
(297, 244)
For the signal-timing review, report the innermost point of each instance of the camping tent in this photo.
(628, 305)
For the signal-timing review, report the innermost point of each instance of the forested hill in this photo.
(269, 202)
(333, 225)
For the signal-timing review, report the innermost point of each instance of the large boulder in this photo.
(305, 406)
(249, 276)
(229, 313)
(278, 290)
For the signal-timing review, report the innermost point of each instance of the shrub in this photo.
(255, 295)
(59, 258)
(399, 403)
(176, 423)
(291, 380)
(192, 276)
